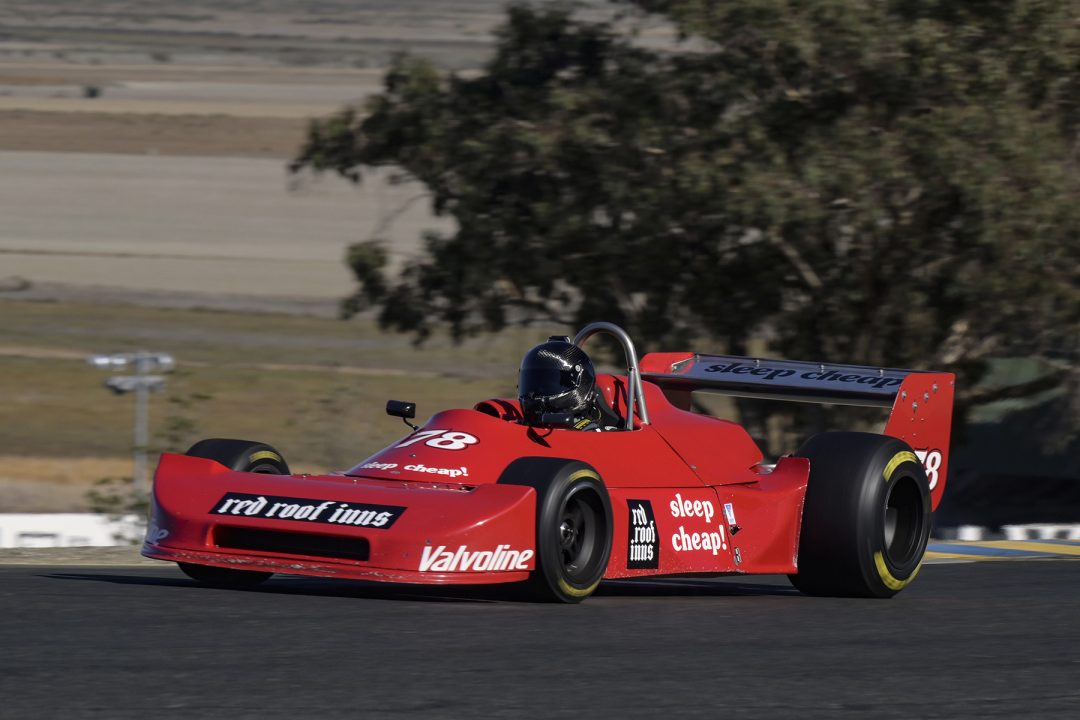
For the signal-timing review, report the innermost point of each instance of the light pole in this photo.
(141, 383)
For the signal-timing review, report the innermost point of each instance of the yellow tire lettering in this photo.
(897, 460)
(888, 578)
(572, 591)
(264, 455)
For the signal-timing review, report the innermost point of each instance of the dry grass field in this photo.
(150, 134)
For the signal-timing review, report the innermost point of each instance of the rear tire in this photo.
(866, 520)
(243, 456)
(573, 527)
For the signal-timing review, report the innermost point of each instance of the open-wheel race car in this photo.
(485, 495)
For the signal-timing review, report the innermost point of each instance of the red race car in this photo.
(482, 496)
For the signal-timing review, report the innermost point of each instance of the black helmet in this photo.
(556, 376)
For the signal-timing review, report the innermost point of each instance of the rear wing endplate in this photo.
(921, 402)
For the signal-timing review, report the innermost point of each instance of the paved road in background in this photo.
(194, 224)
(993, 639)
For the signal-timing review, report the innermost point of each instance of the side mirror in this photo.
(402, 409)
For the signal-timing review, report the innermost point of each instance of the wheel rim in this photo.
(903, 522)
(580, 534)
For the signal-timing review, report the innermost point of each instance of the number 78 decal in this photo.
(931, 460)
(441, 439)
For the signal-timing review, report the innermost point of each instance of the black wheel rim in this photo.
(580, 536)
(904, 519)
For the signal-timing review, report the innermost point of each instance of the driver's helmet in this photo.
(556, 377)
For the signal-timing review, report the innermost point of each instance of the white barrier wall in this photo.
(29, 530)
(26, 530)
(1036, 531)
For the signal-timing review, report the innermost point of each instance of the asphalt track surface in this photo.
(986, 640)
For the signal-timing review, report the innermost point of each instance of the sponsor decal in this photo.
(931, 460)
(643, 548)
(503, 557)
(729, 513)
(440, 439)
(378, 466)
(155, 534)
(683, 541)
(769, 374)
(697, 508)
(329, 512)
(460, 471)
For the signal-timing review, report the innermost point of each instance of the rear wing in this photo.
(921, 402)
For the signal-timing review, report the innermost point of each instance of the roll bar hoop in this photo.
(633, 372)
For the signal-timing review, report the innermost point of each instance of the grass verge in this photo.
(315, 388)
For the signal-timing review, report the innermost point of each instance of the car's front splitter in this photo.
(321, 568)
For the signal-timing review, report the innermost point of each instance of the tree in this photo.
(888, 183)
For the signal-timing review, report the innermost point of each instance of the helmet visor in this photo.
(546, 382)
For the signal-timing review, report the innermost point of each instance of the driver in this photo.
(558, 379)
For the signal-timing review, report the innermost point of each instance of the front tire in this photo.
(573, 527)
(866, 520)
(243, 456)
(224, 577)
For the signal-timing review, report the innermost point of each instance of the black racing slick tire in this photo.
(573, 527)
(244, 456)
(866, 520)
(241, 455)
(224, 577)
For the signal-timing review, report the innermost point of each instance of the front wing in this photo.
(342, 526)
